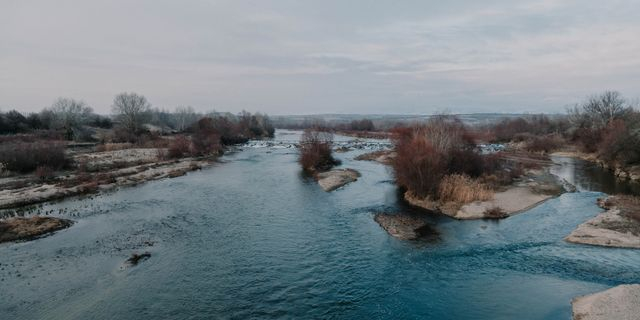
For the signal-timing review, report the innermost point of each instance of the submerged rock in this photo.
(621, 303)
(404, 227)
(13, 229)
(334, 179)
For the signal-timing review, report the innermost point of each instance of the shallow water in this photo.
(253, 238)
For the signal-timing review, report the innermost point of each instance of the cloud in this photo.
(314, 57)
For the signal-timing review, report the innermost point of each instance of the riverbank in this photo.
(618, 226)
(97, 171)
(530, 190)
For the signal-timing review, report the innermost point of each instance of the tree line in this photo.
(606, 124)
(132, 117)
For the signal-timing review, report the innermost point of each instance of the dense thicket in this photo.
(34, 140)
(27, 156)
(606, 124)
(316, 151)
(427, 153)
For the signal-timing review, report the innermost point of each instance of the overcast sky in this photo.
(303, 57)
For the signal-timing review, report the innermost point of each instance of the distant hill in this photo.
(385, 120)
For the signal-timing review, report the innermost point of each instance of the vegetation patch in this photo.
(18, 228)
(316, 151)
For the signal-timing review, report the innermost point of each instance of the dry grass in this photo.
(113, 146)
(463, 189)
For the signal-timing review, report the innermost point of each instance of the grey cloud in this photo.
(319, 56)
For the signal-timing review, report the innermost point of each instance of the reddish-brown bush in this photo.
(179, 147)
(588, 139)
(418, 166)
(27, 156)
(544, 144)
(509, 129)
(315, 151)
(426, 153)
(205, 139)
(44, 173)
(619, 144)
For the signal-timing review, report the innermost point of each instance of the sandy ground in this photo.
(612, 228)
(384, 156)
(334, 179)
(620, 303)
(13, 229)
(511, 201)
(536, 187)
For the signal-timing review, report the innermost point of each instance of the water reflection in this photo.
(588, 176)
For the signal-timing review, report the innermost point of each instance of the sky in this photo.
(329, 56)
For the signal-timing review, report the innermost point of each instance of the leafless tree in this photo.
(185, 116)
(132, 109)
(67, 114)
(598, 111)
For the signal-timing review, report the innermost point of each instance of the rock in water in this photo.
(404, 227)
(621, 303)
(29, 228)
(137, 258)
(334, 179)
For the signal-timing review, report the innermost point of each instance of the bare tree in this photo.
(69, 114)
(132, 109)
(185, 116)
(598, 111)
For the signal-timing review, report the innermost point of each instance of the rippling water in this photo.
(253, 238)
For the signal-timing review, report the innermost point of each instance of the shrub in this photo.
(27, 156)
(495, 213)
(619, 144)
(418, 166)
(179, 147)
(587, 138)
(510, 129)
(544, 144)
(205, 139)
(426, 153)
(44, 173)
(362, 125)
(315, 151)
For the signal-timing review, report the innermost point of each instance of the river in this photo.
(251, 237)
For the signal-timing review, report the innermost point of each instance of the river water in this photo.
(251, 237)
